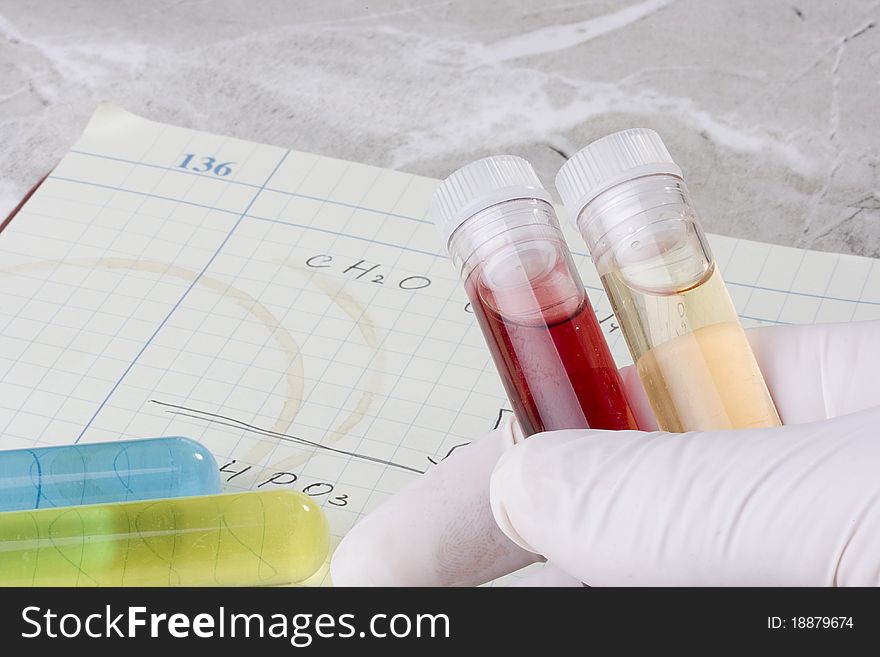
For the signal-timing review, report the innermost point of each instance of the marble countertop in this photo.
(770, 107)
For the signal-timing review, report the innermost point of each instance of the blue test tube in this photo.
(99, 473)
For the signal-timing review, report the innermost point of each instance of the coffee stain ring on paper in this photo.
(294, 373)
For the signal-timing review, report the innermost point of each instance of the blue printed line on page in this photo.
(181, 299)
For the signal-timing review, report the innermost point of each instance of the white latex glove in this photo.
(796, 505)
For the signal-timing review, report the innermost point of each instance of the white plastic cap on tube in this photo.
(480, 185)
(609, 161)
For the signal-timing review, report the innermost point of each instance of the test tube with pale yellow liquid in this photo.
(629, 201)
(237, 539)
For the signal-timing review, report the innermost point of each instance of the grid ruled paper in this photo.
(292, 312)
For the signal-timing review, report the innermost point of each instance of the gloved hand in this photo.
(796, 505)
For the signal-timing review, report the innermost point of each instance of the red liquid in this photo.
(554, 362)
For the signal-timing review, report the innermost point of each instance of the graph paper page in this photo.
(292, 312)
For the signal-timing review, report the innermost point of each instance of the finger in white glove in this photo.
(438, 530)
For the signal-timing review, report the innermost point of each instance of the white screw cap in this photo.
(609, 161)
(480, 185)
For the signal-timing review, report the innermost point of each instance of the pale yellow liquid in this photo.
(692, 356)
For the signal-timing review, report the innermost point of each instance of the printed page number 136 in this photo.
(205, 164)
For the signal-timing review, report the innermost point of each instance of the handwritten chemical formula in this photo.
(365, 270)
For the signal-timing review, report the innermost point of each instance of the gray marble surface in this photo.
(771, 108)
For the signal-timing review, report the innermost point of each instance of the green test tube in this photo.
(238, 539)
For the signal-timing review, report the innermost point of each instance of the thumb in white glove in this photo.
(438, 531)
(797, 505)
(793, 506)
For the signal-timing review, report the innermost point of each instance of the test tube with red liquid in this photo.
(502, 233)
